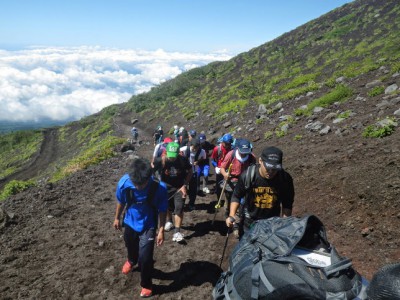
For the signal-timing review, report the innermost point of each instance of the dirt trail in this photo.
(47, 154)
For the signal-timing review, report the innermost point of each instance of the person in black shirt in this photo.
(268, 193)
(176, 172)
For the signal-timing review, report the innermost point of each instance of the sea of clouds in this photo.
(65, 84)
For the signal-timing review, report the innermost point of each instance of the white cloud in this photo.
(69, 83)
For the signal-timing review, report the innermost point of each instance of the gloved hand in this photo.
(217, 170)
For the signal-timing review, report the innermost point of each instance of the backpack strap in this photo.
(250, 176)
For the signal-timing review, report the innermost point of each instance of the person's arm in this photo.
(225, 166)
(118, 212)
(238, 193)
(287, 194)
(160, 236)
(286, 212)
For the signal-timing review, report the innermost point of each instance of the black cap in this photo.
(195, 142)
(272, 158)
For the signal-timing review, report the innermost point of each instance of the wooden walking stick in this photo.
(218, 205)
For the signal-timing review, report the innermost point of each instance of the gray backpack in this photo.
(288, 258)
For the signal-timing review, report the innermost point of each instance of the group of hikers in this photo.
(152, 194)
(151, 199)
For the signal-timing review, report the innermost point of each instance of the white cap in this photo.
(175, 126)
(181, 129)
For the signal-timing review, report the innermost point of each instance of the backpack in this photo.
(149, 200)
(287, 259)
(161, 149)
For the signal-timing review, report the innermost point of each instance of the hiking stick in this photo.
(218, 205)
(175, 193)
(226, 244)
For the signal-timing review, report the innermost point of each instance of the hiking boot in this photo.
(146, 293)
(177, 237)
(206, 190)
(127, 267)
(168, 226)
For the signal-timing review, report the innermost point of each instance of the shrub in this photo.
(378, 90)
(14, 187)
(379, 130)
(297, 137)
(345, 114)
(268, 135)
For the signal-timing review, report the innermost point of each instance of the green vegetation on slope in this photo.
(352, 40)
(17, 149)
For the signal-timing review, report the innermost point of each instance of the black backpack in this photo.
(288, 258)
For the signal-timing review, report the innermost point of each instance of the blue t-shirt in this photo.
(140, 216)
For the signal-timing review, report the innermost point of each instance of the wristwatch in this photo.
(232, 219)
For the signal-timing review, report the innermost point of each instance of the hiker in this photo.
(192, 134)
(158, 135)
(176, 172)
(196, 157)
(204, 167)
(268, 191)
(217, 157)
(183, 137)
(159, 149)
(145, 200)
(134, 133)
(235, 163)
(176, 133)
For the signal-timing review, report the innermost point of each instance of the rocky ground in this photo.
(57, 240)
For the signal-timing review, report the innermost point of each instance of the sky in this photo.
(62, 60)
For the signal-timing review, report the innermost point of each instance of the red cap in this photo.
(167, 140)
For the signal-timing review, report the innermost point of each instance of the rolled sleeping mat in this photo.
(385, 283)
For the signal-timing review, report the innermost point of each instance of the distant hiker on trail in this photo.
(192, 134)
(158, 135)
(267, 189)
(235, 163)
(197, 157)
(176, 172)
(134, 133)
(217, 157)
(145, 201)
(183, 137)
(176, 133)
(204, 167)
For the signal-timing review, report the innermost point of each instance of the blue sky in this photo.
(172, 25)
(64, 59)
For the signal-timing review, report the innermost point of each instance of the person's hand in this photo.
(184, 191)
(160, 238)
(226, 176)
(217, 170)
(230, 221)
(117, 225)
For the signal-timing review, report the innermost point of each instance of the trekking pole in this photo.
(218, 205)
(226, 244)
(174, 194)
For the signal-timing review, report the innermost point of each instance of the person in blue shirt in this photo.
(142, 214)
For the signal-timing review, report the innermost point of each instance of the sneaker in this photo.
(168, 226)
(145, 293)
(206, 190)
(177, 237)
(127, 267)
